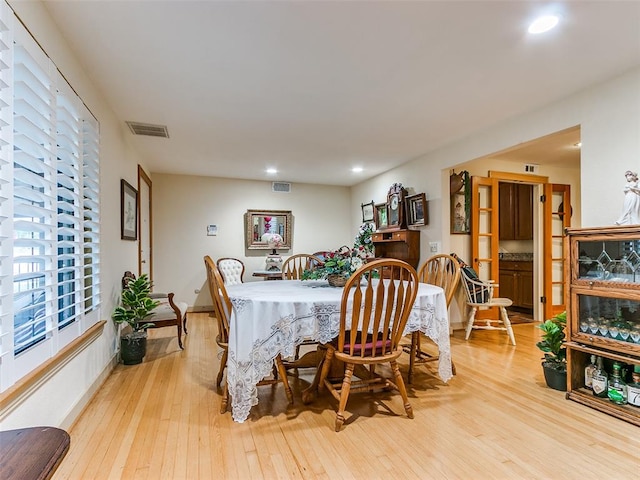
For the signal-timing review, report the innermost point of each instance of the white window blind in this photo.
(6, 187)
(49, 181)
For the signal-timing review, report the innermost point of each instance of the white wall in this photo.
(609, 117)
(58, 401)
(184, 205)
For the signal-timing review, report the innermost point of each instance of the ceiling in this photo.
(314, 88)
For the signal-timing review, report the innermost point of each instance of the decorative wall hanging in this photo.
(128, 211)
(460, 191)
(368, 213)
(416, 208)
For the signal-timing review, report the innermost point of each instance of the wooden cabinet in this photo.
(516, 211)
(516, 282)
(603, 316)
(401, 244)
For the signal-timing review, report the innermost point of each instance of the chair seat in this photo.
(494, 302)
(379, 346)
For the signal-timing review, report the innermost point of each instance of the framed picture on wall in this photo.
(368, 214)
(416, 207)
(381, 218)
(460, 189)
(128, 211)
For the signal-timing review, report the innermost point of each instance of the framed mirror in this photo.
(259, 223)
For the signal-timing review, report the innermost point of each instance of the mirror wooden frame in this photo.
(287, 224)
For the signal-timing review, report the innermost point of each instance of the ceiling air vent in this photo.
(148, 129)
(281, 187)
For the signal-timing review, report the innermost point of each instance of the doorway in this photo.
(557, 155)
(516, 246)
(145, 243)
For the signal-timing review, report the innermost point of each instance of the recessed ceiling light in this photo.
(357, 169)
(543, 24)
(271, 171)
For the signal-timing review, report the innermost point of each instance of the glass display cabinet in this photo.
(603, 318)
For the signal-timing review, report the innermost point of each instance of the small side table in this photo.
(268, 274)
(32, 453)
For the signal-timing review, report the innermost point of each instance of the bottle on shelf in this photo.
(588, 373)
(617, 388)
(633, 388)
(599, 381)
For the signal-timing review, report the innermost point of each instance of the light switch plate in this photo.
(434, 247)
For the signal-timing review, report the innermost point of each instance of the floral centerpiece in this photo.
(339, 264)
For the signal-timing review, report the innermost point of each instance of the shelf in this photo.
(603, 309)
(628, 413)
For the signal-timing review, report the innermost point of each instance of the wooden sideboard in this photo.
(400, 244)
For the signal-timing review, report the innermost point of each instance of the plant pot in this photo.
(337, 280)
(133, 348)
(556, 379)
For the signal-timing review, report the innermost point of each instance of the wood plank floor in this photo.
(495, 419)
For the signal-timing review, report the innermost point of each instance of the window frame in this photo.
(49, 206)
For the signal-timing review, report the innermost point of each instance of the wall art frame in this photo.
(417, 213)
(128, 211)
(460, 190)
(368, 212)
(381, 218)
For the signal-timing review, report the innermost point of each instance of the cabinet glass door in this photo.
(616, 261)
(604, 319)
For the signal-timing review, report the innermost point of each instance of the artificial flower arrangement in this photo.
(363, 242)
(344, 261)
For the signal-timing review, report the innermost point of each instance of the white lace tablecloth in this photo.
(271, 318)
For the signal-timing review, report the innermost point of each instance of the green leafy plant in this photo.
(343, 262)
(552, 343)
(136, 305)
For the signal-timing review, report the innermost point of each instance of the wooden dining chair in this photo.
(295, 265)
(232, 270)
(444, 271)
(292, 269)
(371, 330)
(222, 311)
(480, 295)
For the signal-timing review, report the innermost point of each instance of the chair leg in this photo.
(415, 341)
(184, 324)
(472, 317)
(225, 399)
(344, 395)
(402, 388)
(180, 335)
(507, 324)
(223, 365)
(284, 380)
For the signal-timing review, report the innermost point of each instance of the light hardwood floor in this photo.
(496, 419)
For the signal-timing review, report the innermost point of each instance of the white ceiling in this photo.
(315, 88)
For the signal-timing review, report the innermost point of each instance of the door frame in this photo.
(143, 177)
(538, 182)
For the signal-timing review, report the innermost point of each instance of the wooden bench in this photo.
(32, 453)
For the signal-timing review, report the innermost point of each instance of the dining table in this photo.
(271, 318)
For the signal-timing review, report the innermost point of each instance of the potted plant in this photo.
(554, 363)
(136, 306)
